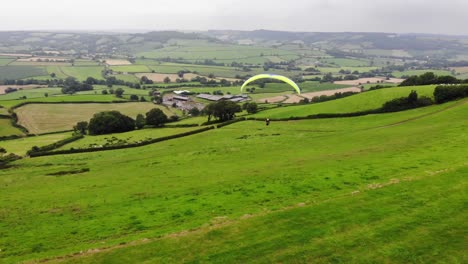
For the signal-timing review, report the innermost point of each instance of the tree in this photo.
(134, 97)
(251, 107)
(81, 127)
(194, 112)
(222, 110)
(110, 122)
(46, 94)
(156, 117)
(104, 92)
(119, 92)
(167, 80)
(52, 75)
(140, 121)
(413, 97)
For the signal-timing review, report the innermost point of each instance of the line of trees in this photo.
(108, 122)
(430, 78)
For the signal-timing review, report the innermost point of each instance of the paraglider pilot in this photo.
(267, 121)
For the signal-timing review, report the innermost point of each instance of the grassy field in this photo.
(31, 93)
(131, 68)
(380, 191)
(360, 102)
(20, 72)
(6, 129)
(43, 118)
(125, 138)
(58, 72)
(22, 145)
(82, 73)
(335, 70)
(341, 62)
(127, 78)
(308, 86)
(5, 61)
(127, 91)
(219, 53)
(63, 99)
(399, 74)
(328, 232)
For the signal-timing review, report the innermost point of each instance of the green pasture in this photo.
(308, 86)
(83, 72)
(59, 73)
(127, 78)
(5, 61)
(44, 118)
(359, 102)
(399, 74)
(127, 90)
(6, 129)
(302, 191)
(63, 99)
(125, 138)
(31, 93)
(21, 145)
(366, 227)
(130, 68)
(219, 53)
(346, 62)
(335, 70)
(20, 72)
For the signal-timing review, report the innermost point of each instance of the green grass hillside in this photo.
(360, 102)
(389, 189)
(6, 129)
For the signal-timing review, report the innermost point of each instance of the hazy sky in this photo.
(418, 16)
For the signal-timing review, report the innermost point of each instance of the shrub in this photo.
(447, 93)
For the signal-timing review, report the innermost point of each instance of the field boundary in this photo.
(132, 145)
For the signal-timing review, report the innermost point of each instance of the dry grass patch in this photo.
(460, 69)
(115, 62)
(15, 55)
(20, 87)
(274, 99)
(293, 98)
(43, 118)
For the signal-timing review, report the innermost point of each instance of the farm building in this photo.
(180, 98)
(232, 98)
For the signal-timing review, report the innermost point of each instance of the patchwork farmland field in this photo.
(125, 138)
(21, 145)
(20, 72)
(43, 118)
(6, 129)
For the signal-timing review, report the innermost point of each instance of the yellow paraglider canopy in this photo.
(272, 76)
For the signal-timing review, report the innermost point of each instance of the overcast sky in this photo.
(401, 16)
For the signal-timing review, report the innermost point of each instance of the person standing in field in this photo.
(267, 121)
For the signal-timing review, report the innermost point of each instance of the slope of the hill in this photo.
(59, 205)
(360, 102)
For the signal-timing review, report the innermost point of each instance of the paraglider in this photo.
(272, 76)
